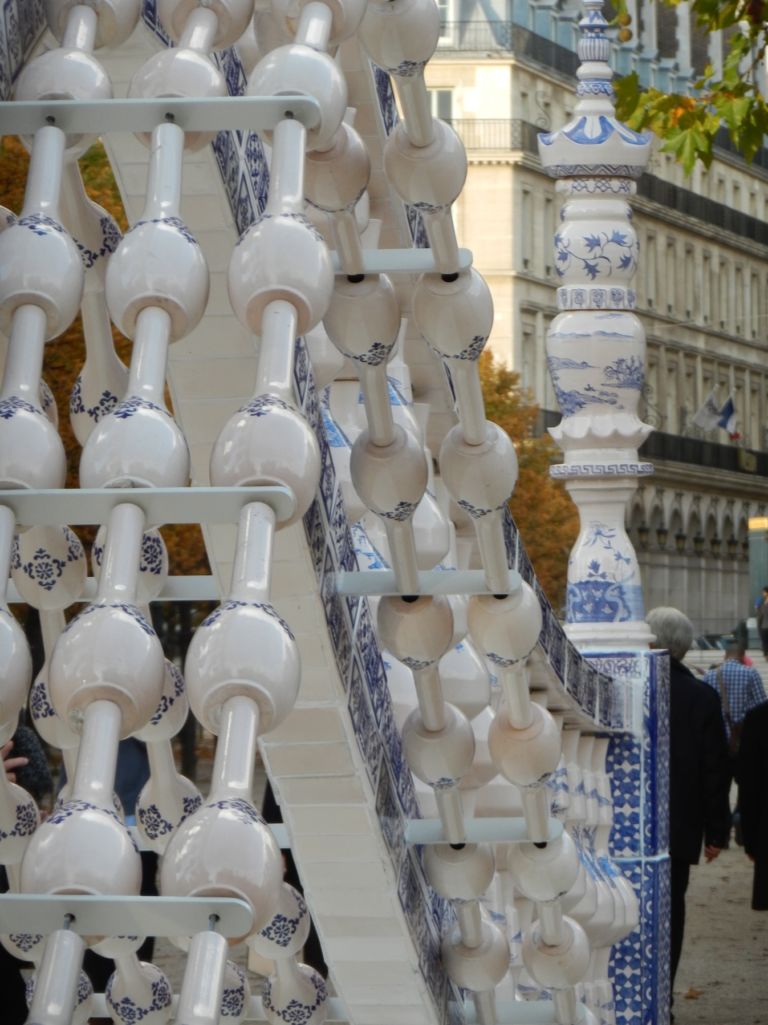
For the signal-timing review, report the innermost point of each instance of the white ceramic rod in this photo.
(7, 531)
(493, 551)
(378, 410)
(348, 245)
(469, 398)
(442, 239)
(252, 570)
(235, 758)
(274, 373)
(470, 922)
(122, 552)
(314, 28)
(402, 549)
(203, 983)
(57, 979)
(80, 33)
(44, 175)
(164, 182)
(429, 692)
(199, 31)
(24, 356)
(451, 812)
(414, 101)
(535, 801)
(517, 697)
(551, 922)
(149, 358)
(566, 1006)
(286, 171)
(485, 1007)
(162, 769)
(97, 755)
(52, 623)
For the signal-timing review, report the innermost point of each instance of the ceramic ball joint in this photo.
(65, 74)
(439, 757)
(544, 873)
(301, 70)
(232, 18)
(243, 648)
(401, 34)
(363, 318)
(561, 966)
(108, 652)
(416, 632)
(225, 849)
(459, 873)
(158, 263)
(179, 72)
(281, 256)
(505, 629)
(40, 265)
(268, 442)
(431, 176)
(287, 931)
(81, 848)
(116, 19)
(480, 478)
(529, 756)
(456, 316)
(477, 968)
(336, 178)
(390, 479)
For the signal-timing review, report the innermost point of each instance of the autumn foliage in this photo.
(546, 517)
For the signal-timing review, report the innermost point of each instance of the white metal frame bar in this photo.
(510, 829)
(370, 582)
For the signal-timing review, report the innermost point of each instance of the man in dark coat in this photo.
(752, 776)
(699, 768)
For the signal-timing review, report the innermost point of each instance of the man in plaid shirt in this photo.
(743, 686)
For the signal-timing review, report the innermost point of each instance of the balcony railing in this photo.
(679, 449)
(506, 37)
(496, 133)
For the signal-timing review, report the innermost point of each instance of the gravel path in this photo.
(723, 974)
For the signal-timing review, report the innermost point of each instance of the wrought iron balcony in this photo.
(680, 449)
(482, 36)
(496, 133)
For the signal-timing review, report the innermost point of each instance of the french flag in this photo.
(727, 419)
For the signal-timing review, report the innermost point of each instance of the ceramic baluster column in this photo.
(596, 347)
(41, 282)
(157, 289)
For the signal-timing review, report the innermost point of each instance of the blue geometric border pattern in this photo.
(21, 24)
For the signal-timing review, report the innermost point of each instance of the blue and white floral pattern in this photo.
(229, 605)
(153, 823)
(264, 404)
(602, 254)
(129, 610)
(40, 224)
(105, 405)
(129, 407)
(39, 705)
(295, 1012)
(128, 1012)
(171, 222)
(282, 928)
(13, 404)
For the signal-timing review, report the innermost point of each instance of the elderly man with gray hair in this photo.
(699, 768)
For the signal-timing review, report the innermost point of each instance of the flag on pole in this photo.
(727, 419)
(708, 417)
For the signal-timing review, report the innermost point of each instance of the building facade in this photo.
(702, 284)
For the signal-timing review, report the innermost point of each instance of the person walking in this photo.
(699, 769)
(740, 688)
(762, 621)
(752, 776)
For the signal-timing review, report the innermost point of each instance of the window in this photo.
(441, 103)
(448, 26)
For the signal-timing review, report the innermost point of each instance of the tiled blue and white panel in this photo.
(20, 27)
(638, 766)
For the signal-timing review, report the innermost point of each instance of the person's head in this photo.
(765, 592)
(673, 630)
(734, 651)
